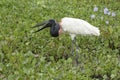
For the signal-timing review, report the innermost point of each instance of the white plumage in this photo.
(75, 26)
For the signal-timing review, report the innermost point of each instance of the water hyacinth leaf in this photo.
(101, 17)
(28, 56)
(112, 76)
(1, 67)
(69, 60)
(110, 30)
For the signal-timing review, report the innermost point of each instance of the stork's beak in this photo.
(44, 24)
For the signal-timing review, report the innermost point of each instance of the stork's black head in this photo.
(54, 30)
(54, 27)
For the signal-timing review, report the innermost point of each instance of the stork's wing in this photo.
(78, 26)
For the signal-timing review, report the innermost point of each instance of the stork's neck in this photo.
(60, 30)
(54, 30)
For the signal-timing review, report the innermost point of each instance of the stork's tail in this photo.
(96, 31)
(93, 30)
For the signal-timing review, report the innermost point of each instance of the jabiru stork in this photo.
(72, 26)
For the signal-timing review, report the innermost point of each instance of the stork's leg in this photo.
(72, 47)
(74, 44)
(76, 49)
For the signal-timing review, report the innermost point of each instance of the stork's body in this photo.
(72, 26)
(75, 27)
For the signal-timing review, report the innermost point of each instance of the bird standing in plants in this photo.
(72, 26)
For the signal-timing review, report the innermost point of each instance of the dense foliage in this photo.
(28, 56)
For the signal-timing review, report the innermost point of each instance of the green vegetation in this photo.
(28, 56)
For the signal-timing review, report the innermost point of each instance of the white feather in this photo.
(78, 26)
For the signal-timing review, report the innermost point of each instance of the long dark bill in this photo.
(43, 24)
